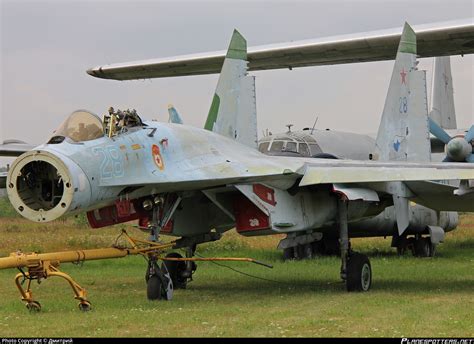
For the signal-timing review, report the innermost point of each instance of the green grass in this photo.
(430, 297)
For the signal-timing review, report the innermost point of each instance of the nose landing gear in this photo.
(159, 282)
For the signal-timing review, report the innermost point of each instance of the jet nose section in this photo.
(43, 186)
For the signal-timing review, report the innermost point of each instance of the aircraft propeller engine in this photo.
(458, 149)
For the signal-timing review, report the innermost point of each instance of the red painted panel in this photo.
(110, 215)
(265, 193)
(248, 216)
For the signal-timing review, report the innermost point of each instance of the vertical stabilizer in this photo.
(174, 116)
(233, 109)
(403, 133)
(442, 94)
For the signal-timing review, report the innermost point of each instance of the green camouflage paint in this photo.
(237, 47)
(212, 116)
(408, 40)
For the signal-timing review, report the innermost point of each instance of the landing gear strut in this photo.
(355, 267)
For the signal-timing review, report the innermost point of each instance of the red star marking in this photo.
(403, 74)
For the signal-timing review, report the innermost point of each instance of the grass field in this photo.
(431, 297)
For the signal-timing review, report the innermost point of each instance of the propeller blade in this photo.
(469, 135)
(439, 132)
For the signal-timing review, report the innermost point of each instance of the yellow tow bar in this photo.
(43, 265)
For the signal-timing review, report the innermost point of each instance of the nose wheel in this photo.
(159, 283)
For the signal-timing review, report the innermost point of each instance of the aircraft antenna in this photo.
(314, 125)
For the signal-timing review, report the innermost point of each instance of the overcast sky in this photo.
(47, 46)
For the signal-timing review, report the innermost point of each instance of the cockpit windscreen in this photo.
(80, 126)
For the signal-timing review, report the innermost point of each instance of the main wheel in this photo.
(153, 288)
(358, 273)
(307, 251)
(423, 247)
(176, 270)
(317, 247)
(288, 253)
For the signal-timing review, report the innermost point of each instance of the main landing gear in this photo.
(419, 246)
(355, 267)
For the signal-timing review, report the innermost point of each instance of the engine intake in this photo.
(43, 186)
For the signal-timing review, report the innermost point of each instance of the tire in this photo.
(402, 246)
(307, 251)
(84, 306)
(33, 306)
(153, 288)
(423, 247)
(358, 273)
(299, 252)
(175, 269)
(288, 253)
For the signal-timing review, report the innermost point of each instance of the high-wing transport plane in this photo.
(195, 184)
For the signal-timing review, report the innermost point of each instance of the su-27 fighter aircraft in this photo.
(196, 184)
(426, 226)
(333, 144)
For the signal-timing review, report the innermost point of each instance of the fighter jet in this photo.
(196, 184)
(333, 144)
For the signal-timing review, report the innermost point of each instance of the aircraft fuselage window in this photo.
(277, 146)
(315, 149)
(303, 149)
(290, 147)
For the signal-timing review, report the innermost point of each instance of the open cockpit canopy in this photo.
(81, 125)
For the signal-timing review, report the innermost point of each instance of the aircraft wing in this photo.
(441, 196)
(383, 172)
(14, 148)
(436, 39)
